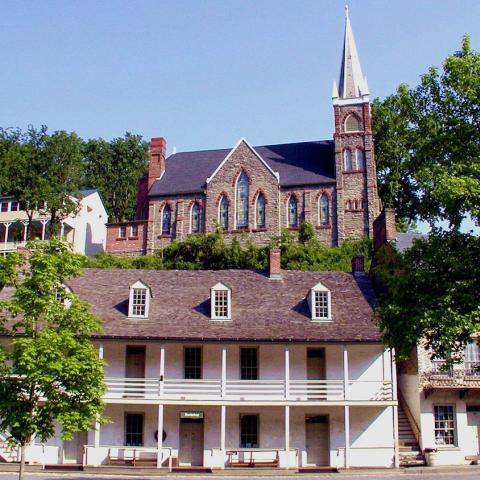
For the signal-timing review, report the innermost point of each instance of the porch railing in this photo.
(248, 390)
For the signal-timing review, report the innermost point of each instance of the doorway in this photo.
(73, 449)
(317, 440)
(191, 442)
(134, 368)
(473, 422)
(316, 371)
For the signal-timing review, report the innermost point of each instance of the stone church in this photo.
(262, 189)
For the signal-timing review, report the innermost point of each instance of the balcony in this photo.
(459, 377)
(248, 390)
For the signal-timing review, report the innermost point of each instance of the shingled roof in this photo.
(263, 310)
(304, 163)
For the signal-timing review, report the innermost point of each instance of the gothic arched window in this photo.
(242, 201)
(360, 158)
(260, 211)
(324, 213)
(347, 160)
(166, 220)
(292, 212)
(352, 123)
(195, 218)
(223, 213)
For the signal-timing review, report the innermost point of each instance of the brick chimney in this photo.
(390, 227)
(358, 264)
(156, 162)
(384, 228)
(274, 268)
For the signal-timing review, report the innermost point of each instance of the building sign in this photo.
(196, 415)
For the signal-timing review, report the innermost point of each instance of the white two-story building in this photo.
(217, 369)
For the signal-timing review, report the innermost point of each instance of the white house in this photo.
(85, 229)
(212, 369)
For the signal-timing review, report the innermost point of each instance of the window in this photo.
(122, 231)
(320, 303)
(292, 212)
(166, 220)
(139, 300)
(324, 214)
(134, 429)
(195, 218)
(134, 231)
(249, 363)
(260, 211)
(192, 362)
(223, 213)
(242, 201)
(472, 359)
(220, 302)
(249, 431)
(4, 207)
(352, 124)
(444, 425)
(348, 162)
(360, 158)
(14, 206)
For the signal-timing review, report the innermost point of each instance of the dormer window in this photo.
(139, 300)
(61, 295)
(221, 302)
(319, 301)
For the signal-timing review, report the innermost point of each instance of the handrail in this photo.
(411, 419)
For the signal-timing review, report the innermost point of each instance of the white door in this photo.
(191, 443)
(473, 422)
(73, 449)
(316, 440)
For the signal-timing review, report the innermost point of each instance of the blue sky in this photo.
(204, 73)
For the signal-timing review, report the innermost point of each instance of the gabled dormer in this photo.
(139, 300)
(320, 303)
(220, 302)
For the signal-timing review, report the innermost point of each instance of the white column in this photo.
(287, 430)
(25, 227)
(224, 372)
(162, 370)
(345, 372)
(97, 423)
(44, 223)
(287, 372)
(347, 435)
(160, 436)
(62, 230)
(7, 227)
(395, 409)
(223, 421)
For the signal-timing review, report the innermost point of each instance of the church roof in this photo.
(303, 163)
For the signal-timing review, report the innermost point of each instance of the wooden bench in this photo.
(473, 458)
(130, 456)
(251, 462)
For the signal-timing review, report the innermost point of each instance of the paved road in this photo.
(365, 476)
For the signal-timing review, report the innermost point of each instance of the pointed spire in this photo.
(352, 83)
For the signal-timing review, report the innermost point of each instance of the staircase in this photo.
(410, 453)
(8, 454)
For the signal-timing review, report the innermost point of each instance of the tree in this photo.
(428, 143)
(49, 372)
(114, 168)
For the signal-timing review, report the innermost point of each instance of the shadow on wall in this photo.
(91, 248)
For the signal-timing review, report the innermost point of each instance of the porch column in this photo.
(162, 371)
(347, 435)
(7, 227)
(160, 436)
(224, 372)
(44, 223)
(395, 409)
(287, 372)
(287, 431)
(223, 421)
(62, 230)
(25, 227)
(345, 372)
(96, 440)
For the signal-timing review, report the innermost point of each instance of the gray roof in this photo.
(404, 241)
(304, 163)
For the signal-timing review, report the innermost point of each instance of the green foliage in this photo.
(431, 295)
(8, 268)
(114, 168)
(306, 232)
(427, 143)
(50, 372)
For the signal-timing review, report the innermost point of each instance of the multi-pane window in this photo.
(444, 425)
(352, 124)
(4, 207)
(139, 302)
(166, 220)
(360, 154)
(249, 363)
(260, 211)
(348, 161)
(292, 212)
(472, 359)
(195, 218)
(221, 304)
(134, 231)
(122, 231)
(249, 431)
(320, 304)
(223, 213)
(14, 206)
(134, 429)
(324, 214)
(242, 201)
(192, 362)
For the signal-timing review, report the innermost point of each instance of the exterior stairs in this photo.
(410, 453)
(8, 454)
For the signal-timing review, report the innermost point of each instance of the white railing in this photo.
(248, 390)
(11, 246)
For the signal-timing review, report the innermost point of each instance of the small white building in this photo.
(212, 369)
(86, 229)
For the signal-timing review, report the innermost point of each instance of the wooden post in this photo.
(224, 372)
(160, 436)
(162, 371)
(287, 372)
(347, 435)
(345, 372)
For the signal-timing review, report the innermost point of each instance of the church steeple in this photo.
(352, 84)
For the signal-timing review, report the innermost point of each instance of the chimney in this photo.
(384, 228)
(274, 269)
(156, 162)
(390, 227)
(358, 264)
